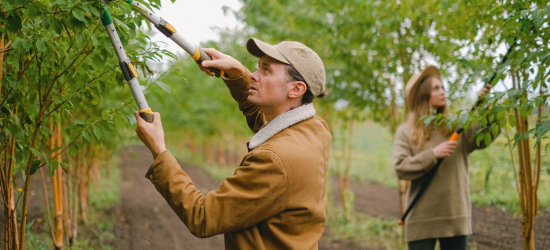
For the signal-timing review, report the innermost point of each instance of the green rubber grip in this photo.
(147, 117)
(106, 18)
(204, 57)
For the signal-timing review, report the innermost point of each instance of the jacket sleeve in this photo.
(238, 87)
(257, 191)
(470, 136)
(408, 166)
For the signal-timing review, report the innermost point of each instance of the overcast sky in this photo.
(195, 20)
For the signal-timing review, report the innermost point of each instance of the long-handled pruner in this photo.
(170, 32)
(127, 67)
(454, 137)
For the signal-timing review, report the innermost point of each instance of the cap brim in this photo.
(258, 49)
(430, 71)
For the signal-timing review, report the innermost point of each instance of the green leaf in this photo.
(541, 129)
(512, 120)
(537, 18)
(487, 140)
(56, 25)
(94, 10)
(464, 117)
(494, 129)
(517, 137)
(35, 166)
(502, 122)
(97, 132)
(14, 23)
(501, 114)
(33, 11)
(73, 149)
(163, 86)
(34, 151)
(78, 14)
(41, 45)
(86, 135)
(53, 166)
(525, 109)
(479, 138)
(539, 101)
(7, 6)
(466, 63)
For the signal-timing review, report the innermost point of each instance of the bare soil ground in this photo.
(145, 221)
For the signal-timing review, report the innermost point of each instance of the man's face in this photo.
(269, 85)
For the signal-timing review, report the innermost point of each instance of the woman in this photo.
(443, 213)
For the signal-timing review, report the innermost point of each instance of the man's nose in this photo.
(253, 76)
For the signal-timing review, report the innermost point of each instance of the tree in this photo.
(58, 65)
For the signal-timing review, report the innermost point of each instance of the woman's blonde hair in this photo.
(420, 107)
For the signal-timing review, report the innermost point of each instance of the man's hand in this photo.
(223, 62)
(151, 134)
(444, 149)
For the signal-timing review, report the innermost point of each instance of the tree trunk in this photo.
(343, 178)
(47, 201)
(83, 183)
(28, 181)
(528, 192)
(222, 160)
(10, 216)
(57, 184)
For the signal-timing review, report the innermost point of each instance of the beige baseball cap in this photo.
(302, 58)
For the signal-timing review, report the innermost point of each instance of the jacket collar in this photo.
(280, 123)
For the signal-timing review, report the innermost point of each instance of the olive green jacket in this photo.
(444, 210)
(275, 198)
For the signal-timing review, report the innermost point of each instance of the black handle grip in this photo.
(147, 117)
(203, 57)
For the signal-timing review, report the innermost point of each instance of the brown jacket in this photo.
(275, 198)
(444, 210)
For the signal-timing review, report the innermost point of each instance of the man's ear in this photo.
(298, 89)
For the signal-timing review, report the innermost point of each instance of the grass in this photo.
(362, 229)
(371, 159)
(99, 232)
(493, 182)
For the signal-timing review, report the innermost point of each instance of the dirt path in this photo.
(147, 222)
(145, 219)
(492, 227)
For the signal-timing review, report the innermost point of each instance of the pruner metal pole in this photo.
(127, 67)
(169, 31)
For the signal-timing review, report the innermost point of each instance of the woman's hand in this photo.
(221, 61)
(444, 149)
(485, 90)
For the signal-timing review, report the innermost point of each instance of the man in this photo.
(276, 197)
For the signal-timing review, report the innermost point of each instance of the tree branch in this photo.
(76, 91)
(8, 94)
(20, 74)
(86, 128)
